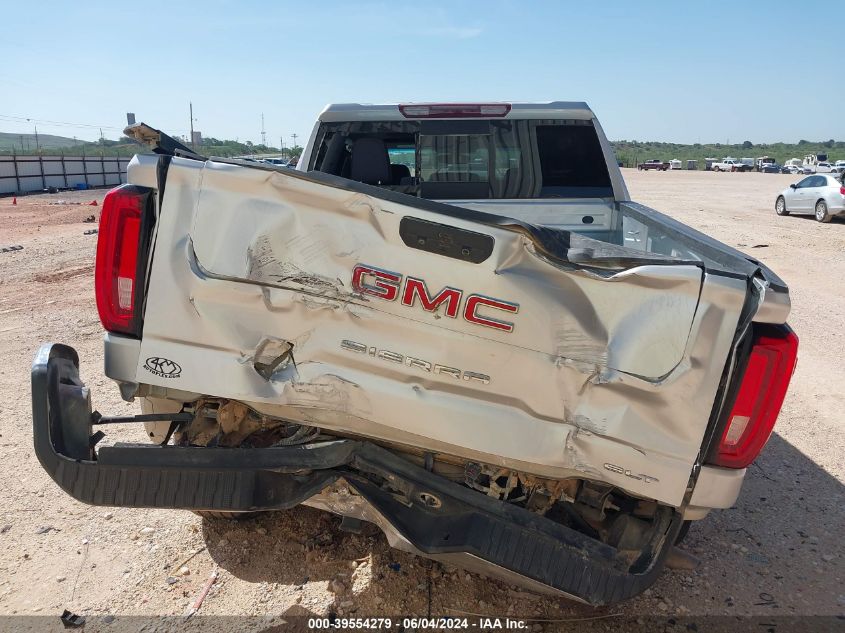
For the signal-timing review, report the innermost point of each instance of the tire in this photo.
(714, 168)
(821, 212)
(232, 516)
(639, 167)
(780, 206)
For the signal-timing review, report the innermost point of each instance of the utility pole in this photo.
(263, 133)
(37, 146)
(191, 107)
(293, 136)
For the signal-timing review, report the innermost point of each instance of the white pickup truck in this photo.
(451, 321)
(728, 164)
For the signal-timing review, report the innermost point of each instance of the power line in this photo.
(20, 119)
(49, 122)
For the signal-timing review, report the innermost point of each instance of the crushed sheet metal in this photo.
(271, 355)
(329, 391)
(311, 238)
(563, 367)
(773, 307)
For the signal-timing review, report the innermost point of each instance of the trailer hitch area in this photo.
(97, 418)
(175, 420)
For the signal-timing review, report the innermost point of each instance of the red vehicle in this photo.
(653, 164)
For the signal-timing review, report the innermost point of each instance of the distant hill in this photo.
(10, 141)
(52, 144)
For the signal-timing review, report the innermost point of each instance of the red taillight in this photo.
(759, 399)
(842, 190)
(118, 245)
(454, 110)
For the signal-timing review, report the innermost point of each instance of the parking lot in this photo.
(779, 551)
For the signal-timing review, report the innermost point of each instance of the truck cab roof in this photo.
(507, 110)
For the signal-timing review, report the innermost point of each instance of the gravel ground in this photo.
(779, 551)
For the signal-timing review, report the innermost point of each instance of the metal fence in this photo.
(21, 174)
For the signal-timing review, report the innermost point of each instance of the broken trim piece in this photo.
(270, 355)
(160, 142)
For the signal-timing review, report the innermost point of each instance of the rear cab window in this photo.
(468, 159)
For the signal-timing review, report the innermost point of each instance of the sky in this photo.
(715, 71)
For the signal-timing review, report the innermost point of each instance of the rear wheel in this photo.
(780, 206)
(716, 168)
(821, 212)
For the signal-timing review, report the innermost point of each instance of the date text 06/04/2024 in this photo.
(433, 623)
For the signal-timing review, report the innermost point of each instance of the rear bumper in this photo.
(420, 511)
(836, 206)
(715, 488)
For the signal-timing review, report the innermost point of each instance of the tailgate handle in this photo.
(449, 241)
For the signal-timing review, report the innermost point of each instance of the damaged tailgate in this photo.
(372, 313)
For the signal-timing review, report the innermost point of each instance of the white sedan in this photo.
(821, 194)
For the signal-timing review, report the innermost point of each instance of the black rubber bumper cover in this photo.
(435, 515)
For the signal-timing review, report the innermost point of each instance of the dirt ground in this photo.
(779, 551)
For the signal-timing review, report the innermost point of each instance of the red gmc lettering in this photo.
(416, 288)
(471, 312)
(386, 285)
